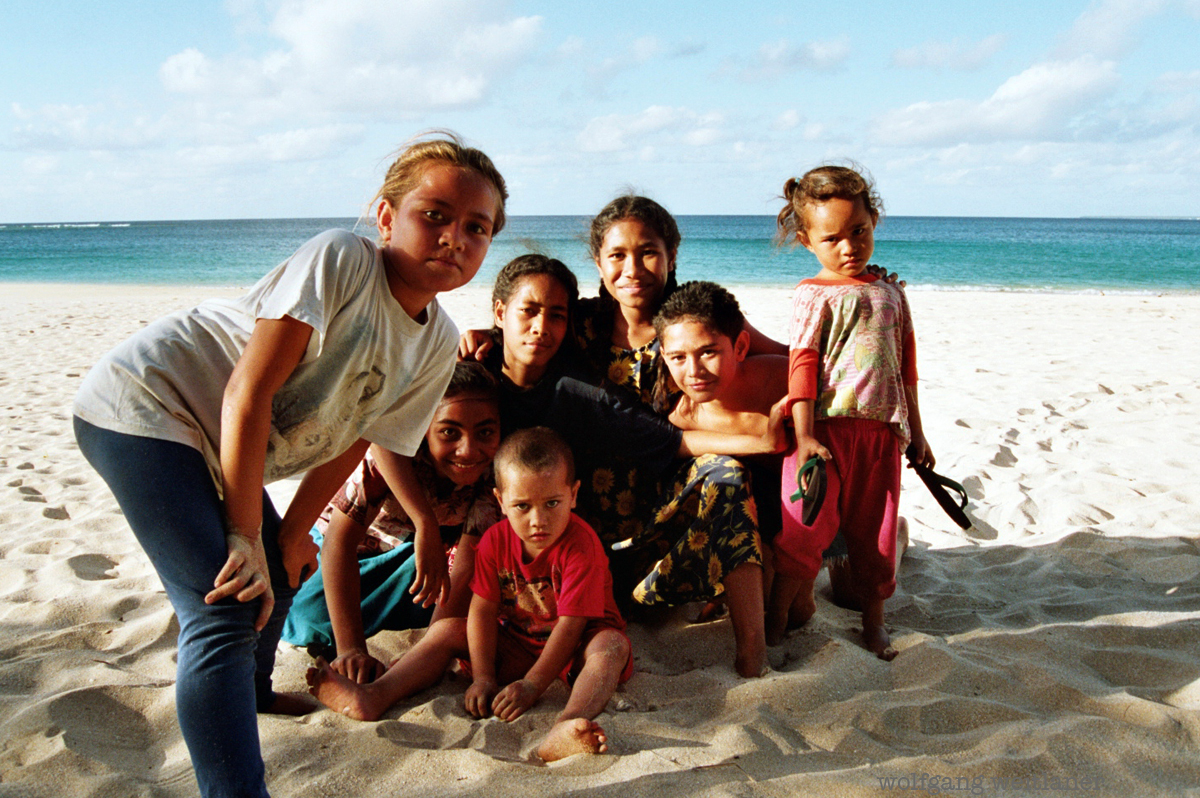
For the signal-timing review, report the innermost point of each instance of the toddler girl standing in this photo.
(852, 392)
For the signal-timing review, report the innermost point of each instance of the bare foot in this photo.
(339, 693)
(573, 736)
(752, 664)
(878, 642)
(290, 704)
(713, 610)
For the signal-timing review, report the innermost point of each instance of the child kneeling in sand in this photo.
(543, 609)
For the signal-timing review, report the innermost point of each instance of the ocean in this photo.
(930, 253)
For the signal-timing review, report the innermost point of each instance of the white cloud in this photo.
(1178, 81)
(1109, 28)
(636, 54)
(1041, 102)
(956, 54)
(365, 56)
(656, 124)
(788, 120)
(776, 59)
(308, 144)
(60, 127)
(40, 164)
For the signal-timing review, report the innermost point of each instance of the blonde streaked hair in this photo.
(439, 146)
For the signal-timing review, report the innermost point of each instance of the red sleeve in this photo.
(485, 582)
(803, 365)
(908, 360)
(581, 591)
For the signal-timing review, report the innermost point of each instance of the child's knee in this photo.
(450, 631)
(610, 645)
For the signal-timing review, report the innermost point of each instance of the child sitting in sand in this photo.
(543, 609)
(852, 388)
(385, 553)
(704, 344)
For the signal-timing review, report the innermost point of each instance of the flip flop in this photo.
(812, 495)
(937, 485)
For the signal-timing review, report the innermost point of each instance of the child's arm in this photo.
(343, 597)
(511, 702)
(696, 442)
(313, 494)
(459, 602)
(481, 646)
(803, 416)
(918, 450)
(432, 581)
(272, 353)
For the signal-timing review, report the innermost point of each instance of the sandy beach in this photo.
(1053, 648)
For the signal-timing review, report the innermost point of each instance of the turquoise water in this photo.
(1131, 255)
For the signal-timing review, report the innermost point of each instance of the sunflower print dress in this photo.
(688, 529)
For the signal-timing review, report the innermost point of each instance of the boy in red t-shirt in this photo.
(543, 609)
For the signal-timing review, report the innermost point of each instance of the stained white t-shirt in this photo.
(370, 370)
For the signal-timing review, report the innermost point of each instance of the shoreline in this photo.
(587, 287)
(1067, 618)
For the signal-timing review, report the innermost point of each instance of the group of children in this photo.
(513, 585)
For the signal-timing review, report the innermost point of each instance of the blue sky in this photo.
(244, 108)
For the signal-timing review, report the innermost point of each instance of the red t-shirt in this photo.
(569, 578)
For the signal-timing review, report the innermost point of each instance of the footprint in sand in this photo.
(92, 567)
(1004, 458)
(56, 514)
(96, 725)
(31, 495)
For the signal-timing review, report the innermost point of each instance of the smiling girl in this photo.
(368, 533)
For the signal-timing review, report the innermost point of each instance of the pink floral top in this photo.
(852, 350)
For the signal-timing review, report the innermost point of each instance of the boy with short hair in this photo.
(543, 609)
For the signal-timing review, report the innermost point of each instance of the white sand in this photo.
(1058, 639)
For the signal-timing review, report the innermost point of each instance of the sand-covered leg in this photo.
(605, 659)
(421, 667)
(744, 589)
(342, 694)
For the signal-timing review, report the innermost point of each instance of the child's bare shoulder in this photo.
(764, 380)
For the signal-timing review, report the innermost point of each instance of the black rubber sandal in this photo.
(937, 485)
(812, 494)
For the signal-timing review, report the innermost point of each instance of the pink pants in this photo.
(861, 499)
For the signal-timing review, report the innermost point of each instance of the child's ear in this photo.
(741, 347)
(499, 497)
(802, 237)
(385, 217)
(574, 493)
(498, 314)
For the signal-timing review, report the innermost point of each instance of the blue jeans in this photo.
(224, 667)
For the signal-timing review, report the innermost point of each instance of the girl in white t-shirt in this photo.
(340, 346)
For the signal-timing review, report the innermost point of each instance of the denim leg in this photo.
(168, 498)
